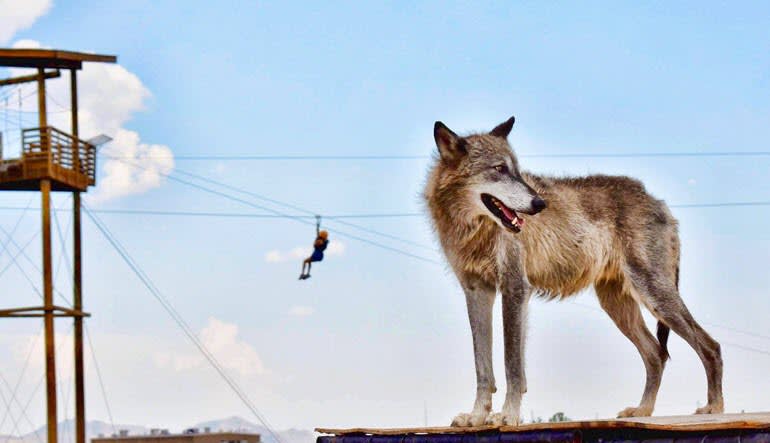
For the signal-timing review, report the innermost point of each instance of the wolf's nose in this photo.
(538, 204)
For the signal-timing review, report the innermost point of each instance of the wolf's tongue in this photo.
(508, 214)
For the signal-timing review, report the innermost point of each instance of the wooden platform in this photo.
(679, 423)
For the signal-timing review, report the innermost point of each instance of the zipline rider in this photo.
(319, 246)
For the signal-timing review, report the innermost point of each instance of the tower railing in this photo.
(50, 146)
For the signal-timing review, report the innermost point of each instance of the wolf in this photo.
(507, 230)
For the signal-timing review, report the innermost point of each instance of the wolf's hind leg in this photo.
(662, 297)
(625, 312)
(480, 299)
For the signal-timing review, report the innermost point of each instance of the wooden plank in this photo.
(28, 78)
(77, 274)
(760, 420)
(48, 58)
(42, 310)
(50, 350)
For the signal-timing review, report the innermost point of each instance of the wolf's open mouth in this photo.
(508, 216)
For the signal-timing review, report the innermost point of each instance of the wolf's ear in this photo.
(450, 145)
(503, 129)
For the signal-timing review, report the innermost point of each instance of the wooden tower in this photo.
(53, 160)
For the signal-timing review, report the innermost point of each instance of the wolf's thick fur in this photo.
(600, 231)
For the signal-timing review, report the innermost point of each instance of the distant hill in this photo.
(94, 428)
(240, 424)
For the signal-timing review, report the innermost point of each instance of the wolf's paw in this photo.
(640, 411)
(716, 408)
(500, 419)
(463, 420)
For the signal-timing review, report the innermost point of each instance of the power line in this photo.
(238, 214)
(300, 209)
(34, 391)
(375, 157)
(721, 204)
(99, 377)
(336, 216)
(15, 390)
(21, 251)
(276, 212)
(745, 348)
(740, 331)
(169, 308)
(302, 220)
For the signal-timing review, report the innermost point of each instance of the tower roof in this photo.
(50, 58)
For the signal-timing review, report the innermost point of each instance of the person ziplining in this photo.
(319, 246)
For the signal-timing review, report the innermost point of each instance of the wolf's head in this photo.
(479, 175)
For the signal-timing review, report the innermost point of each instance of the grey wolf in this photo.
(507, 230)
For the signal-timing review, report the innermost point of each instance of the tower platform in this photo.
(48, 153)
(722, 428)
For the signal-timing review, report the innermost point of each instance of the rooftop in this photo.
(226, 435)
(679, 423)
(50, 58)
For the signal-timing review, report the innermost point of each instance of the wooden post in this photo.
(50, 348)
(77, 296)
(42, 112)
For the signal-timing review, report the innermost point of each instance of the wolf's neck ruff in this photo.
(468, 239)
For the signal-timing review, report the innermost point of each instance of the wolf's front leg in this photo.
(480, 298)
(515, 290)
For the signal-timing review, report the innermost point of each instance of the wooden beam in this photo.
(29, 78)
(75, 129)
(50, 350)
(77, 277)
(47, 58)
(41, 310)
(5, 312)
(41, 105)
(42, 315)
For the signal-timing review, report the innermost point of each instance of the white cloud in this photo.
(26, 44)
(300, 252)
(17, 15)
(143, 167)
(31, 348)
(108, 96)
(221, 339)
(336, 248)
(274, 256)
(301, 311)
(692, 182)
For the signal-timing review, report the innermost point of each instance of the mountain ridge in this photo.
(97, 428)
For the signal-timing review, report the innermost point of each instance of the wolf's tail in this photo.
(663, 330)
(662, 334)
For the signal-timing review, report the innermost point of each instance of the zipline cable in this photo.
(277, 213)
(300, 209)
(375, 157)
(299, 219)
(169, 308)
(37, 388)
(99, 377)
(341, 216)
(15, 390)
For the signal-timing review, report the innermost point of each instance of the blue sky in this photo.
(374, 336)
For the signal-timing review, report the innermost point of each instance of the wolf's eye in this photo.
(502, 169)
